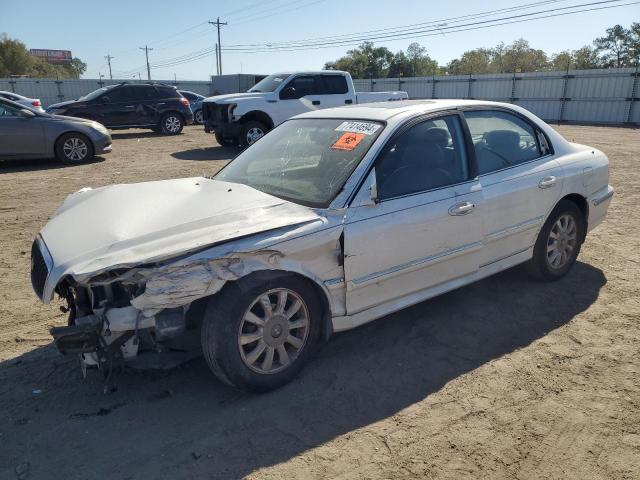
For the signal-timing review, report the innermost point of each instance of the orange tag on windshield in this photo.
(348, 141)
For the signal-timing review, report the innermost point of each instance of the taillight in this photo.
(184, 101)
(36, 103)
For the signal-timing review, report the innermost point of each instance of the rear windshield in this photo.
(306, 161)
(167, 92)
(270, 83)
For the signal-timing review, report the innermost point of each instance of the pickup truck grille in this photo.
(214, 113)
(39, 270)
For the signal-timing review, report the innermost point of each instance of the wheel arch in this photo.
(264, 276)
(258, 116)
(66, 132)
(581, 202)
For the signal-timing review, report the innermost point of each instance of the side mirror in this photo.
(24, 113)
(289, 93)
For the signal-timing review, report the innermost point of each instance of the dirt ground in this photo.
(506, 378)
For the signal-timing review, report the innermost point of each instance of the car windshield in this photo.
(305, 161)
(95, 93)
(270, 83)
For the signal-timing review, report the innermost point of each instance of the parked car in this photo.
(33, 103)
(195, 102)
(29, 133)
(242, 118)
(127, 105)
(334, 219)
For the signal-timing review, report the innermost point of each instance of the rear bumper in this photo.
(598, 206)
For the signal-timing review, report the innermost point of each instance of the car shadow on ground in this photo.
(119, 135)
(211, 153)
(28, 165)
(188, 425)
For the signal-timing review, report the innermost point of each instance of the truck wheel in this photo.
(258, 333)
(252, 132)
(226, 141)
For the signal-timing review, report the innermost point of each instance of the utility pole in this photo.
(146, 54)
(218, 24)
(217, 64)
(109, 58)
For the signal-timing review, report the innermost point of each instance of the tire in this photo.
(252, 131)
(258, 364)
(74, 148)
(171, 123)
(559, 242)
(226, 141)
(197, 117)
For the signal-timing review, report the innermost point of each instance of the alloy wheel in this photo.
(273, 331)
(562, 241)
(172, 124)
(75, 149)
(253, 135)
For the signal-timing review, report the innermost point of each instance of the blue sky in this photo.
(92, 29)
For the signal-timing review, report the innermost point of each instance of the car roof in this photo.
(14, 94)
(385, 111)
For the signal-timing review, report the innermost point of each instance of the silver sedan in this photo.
(26, 133)
(333, 219)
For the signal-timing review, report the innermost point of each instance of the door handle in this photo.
(463, 208)
(129, 106)
(315, 102)
(161, 103)
(547, 182)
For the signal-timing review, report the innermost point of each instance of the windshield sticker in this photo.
(348, 141)
(367, 128)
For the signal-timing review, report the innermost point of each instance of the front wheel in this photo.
(252, 132)
(226, 141)
(559, 242)
(257, 335)
(197, 117)
(73, 148)
(171, 123)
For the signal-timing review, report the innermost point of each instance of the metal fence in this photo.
(53, 91)
(608, 96)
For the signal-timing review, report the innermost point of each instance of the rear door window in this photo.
(333, 84)
(121, 95)
(501, 139)
(146, 92)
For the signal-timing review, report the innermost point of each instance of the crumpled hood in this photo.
(234, 97)
(129, 224)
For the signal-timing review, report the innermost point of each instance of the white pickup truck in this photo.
(242, 118)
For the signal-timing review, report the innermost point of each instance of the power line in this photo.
(423, 33)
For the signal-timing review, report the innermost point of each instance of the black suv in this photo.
(126, 105)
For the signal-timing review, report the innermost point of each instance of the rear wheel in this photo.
(559, 242)
(252, 132)
(73, 148)
(171, 123)
(257, 335)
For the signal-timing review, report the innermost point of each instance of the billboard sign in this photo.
(52, 56)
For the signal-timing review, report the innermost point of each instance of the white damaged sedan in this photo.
(335, 218)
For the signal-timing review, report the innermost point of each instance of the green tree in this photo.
(365, 61)
(615, 47)
(520, 57)
(414, 63)
(634, 42)
(76, 67)
(476, 61)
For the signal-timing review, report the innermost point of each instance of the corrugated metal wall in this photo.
(53, 91)
(610, 96)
